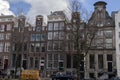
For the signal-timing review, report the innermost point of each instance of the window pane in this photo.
(1, 36)
(56, 45)
(50, 26)
(110, 67)
(9, 27)
(37, 37)
(1, 47)
(100, 33)
(61, 57)
(55, 35)
(108, 34)
(32, 46)
(43, 47)
(92, 61)
(38, 29)
(61, 26)
(31, 62)
(56, 26)
(37, 47)
(108, 43)
(109, 57)
(49, 56)
(50, 45)
(99, 43)
(100, 61)
(2, 28)
(36, 63)
(55, 56)
(43, 37)
(33, 36)
(8, 35)
(61, 45)
(7, 47)
(49, 35)
(61, 35)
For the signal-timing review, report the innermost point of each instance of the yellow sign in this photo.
(30, 74)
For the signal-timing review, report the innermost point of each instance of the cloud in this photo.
(44, 7)
(4, 8)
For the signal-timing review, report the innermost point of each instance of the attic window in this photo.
(108, 22)
(100, 24)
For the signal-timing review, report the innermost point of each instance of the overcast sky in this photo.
(31, 8)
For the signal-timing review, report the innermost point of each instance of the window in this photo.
(92, 61)
(49, 60)
(53, 60)
(100, 33)
(49, 56)
(100, 24)
(49, 35)
(68, 61)
(32, 46)
(50, 26)
(108, 33)
(99, 43)
(43, 37)
(100, 61)
(81, 26)
(56, 35)
(43, 28)
(108, 43)
(1, 47)
(92, 75)
(68, 28)
(55, 65)
(50, 45)
(1, 36)
(33, 36)
(67, 46)
(56, 45)
(109, 66)
(68, 36)
(25, 46)
(31, 62)
(37, 47)
(2, 28)
(109, 57)
(56, 27)
(43, 47)
(61, 45)
(61, 35)
(37, 37)
(36, 63)
(61, 57)
(13, 60)
(7, 47)
(8, 35)
(38, 29)
(61, 26)
(9, 27)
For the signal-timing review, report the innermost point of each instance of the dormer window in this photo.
(74, 20)
(100, 24)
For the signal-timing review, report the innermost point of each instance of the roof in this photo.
(6, 16)
(58, 13)
(100, 3)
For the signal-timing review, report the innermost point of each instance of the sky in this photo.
(31, 8)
